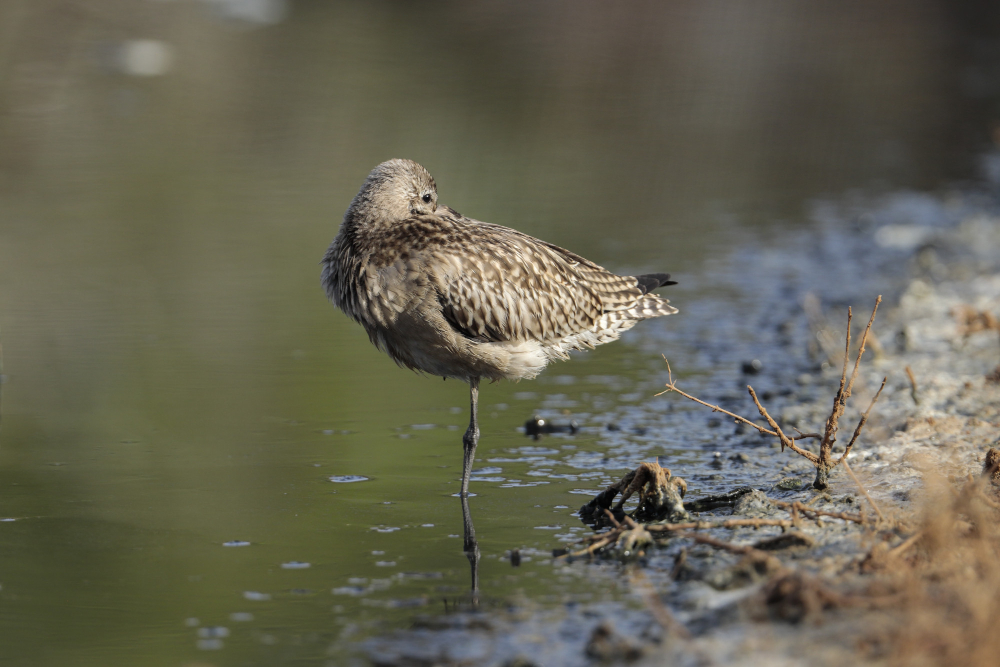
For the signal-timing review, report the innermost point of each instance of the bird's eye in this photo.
(426, 198)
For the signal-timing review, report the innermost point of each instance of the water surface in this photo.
(185, 419)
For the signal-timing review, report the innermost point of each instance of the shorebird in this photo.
(447, 295)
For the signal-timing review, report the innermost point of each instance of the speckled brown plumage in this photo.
(455, 297)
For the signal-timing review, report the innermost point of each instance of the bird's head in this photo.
(393, 191)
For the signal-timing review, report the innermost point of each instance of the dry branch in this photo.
(823, 461)
(799, 507)
(672, 387)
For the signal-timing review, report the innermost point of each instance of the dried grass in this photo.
(948, 576)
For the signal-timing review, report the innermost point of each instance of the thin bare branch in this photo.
(862, 489)
(799, 507)
(706, 525)
(656, 607)
(906, 544)
(672, 387)
(861, 423)
(830, 431)
(913, 385)
(803, 436)
(785, 440)
(861, 350)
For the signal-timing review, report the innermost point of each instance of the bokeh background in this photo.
(171, 172)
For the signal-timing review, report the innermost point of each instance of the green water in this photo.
(176, 381)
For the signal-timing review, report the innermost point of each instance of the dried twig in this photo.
(861, 424)
(861, 488)
(785, 440)
(825, 464)
(656, 607)
(727, 523)
(823, 461)
(672, 387)
(799, 507)
(913, 385)
(906, 544)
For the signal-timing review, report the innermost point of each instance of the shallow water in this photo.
(186, 421)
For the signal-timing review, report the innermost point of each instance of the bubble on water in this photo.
(192, 622)
(212, 632)
(423, 427)
(256, 596)
(145, 57)
(349, 590)
(236, 543)
(548, 527)
(241, 617)
(425, 525)
(385, 529)
(347, 479)
(385, 563)
(295, 565)
(209, 644)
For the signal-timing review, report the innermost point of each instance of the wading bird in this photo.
(451, 296)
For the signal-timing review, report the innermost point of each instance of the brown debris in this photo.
(660, 612)
(660, 497)
(606, 645)
(784, 541)
(659, 494)
(991, 466)
(970, 320)
(913, 385)
(795, 597)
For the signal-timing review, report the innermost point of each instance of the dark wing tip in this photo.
(651, 281)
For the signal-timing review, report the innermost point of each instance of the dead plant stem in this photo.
(862, 489)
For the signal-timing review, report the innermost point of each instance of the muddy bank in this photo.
(819, 598)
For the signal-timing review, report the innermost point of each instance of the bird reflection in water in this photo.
(471, 548)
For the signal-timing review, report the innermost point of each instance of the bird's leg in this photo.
(471, 437)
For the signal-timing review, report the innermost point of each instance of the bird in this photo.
(450, 296)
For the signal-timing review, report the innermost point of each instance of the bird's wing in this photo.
(497, 284)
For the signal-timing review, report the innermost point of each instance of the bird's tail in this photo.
(651, 281)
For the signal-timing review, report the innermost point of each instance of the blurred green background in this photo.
(171, 172)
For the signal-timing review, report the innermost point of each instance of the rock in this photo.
(754, 502)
